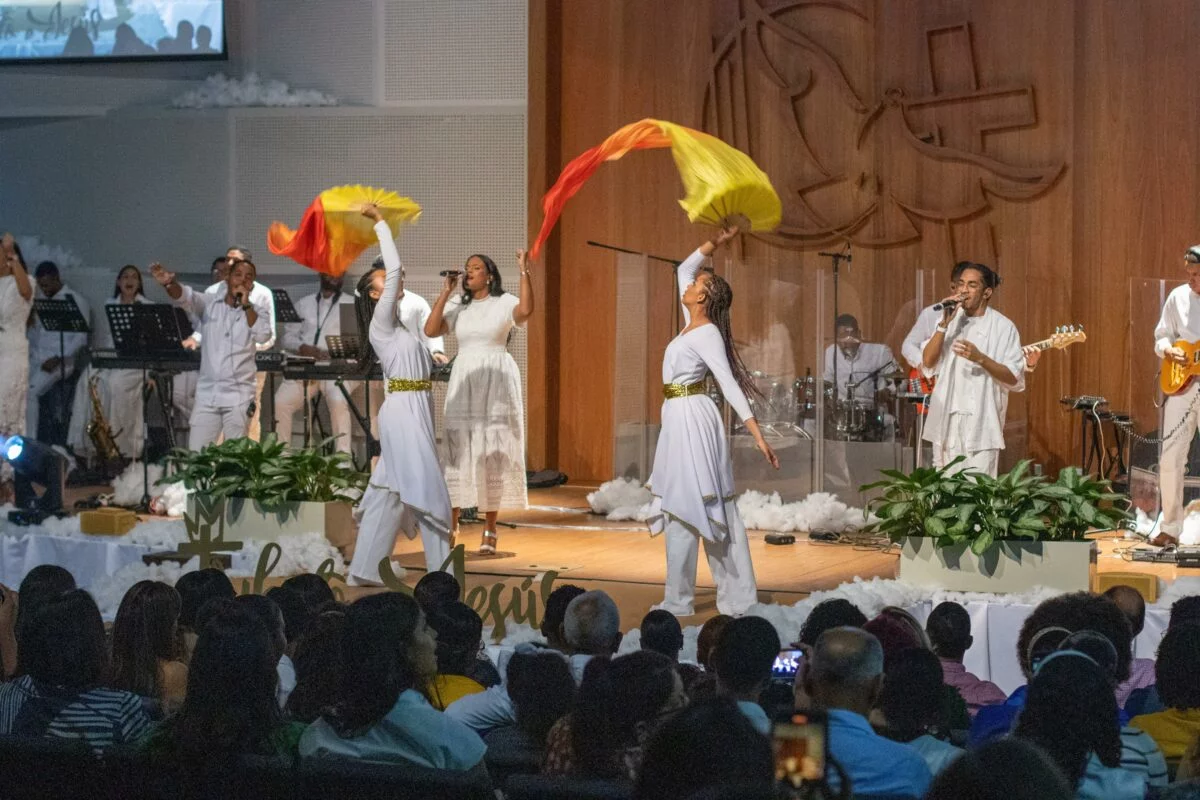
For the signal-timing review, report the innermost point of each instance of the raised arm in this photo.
(685, 273)
(385, 309)
(524, 309)
(436, 325)
(181, 295)
(8, 246)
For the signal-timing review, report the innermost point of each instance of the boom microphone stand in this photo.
(837, 258)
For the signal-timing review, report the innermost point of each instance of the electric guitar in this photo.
(1175, 376)
(1064, 336)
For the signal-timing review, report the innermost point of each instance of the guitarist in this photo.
(975, 352)
(1180, 320)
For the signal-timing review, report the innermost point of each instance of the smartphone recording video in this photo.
(800, 750)
(787, 663)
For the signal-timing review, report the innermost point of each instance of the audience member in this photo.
(991, 773)
(542, 690)
(230, 710)
(64, 665)
(707, 746)
(619, 704)
(459, 638)
(949, 631)
(195, 589)
(147, 652)
(272, 617)
(911, 705)
(313, 588)
(1184, 610)
(906, 619)
(703, 686)
(1176, 727)
(1141, 670)
(661, 633)
(436, 589)
(41, 584)
(318, 662)
(592, 627)
(388, 657)
(827, 615)
(743, 659)
(296, 615)
(843, 677)
(554, 614)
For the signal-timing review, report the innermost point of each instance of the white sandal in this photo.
(487, 547)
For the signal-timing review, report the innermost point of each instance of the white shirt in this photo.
(1180, 319)
(227, 368)
(286, 671)
(43, 344)
(414, 311)
(964, 387)
(259, 296)
(922, 332)
(319, 317)
(870, 358)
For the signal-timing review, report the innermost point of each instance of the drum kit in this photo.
(848, 418)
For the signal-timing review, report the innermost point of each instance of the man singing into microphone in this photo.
(863, 364)
(231, 324)
(975, 353)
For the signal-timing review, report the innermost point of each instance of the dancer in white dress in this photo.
(692, 480)
(119, 389)
(407, 491)
(484, 436)
(16, 299)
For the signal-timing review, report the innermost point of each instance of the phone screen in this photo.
(800, 749)
(787, 663)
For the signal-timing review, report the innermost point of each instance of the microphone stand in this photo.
(837, 259)
(674, 262)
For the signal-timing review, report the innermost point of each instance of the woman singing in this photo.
(484, 444)
(119, 389)
(692, 478)
(16, 299)
(407, 491)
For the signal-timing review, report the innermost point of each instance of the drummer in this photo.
(865, 365)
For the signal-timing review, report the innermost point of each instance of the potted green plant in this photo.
(266, 490)
(966, 531)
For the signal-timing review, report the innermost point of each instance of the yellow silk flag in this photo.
(720, 182)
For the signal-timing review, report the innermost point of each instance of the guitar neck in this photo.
(1044, 344)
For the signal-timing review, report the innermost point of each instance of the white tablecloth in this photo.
(88, 558)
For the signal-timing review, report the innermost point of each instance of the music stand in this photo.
(61, 317)
(142, 330)
(284, 310)
(344, 346)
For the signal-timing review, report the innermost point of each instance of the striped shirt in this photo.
(101, 718)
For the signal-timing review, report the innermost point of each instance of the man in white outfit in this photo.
(861, 363)
(1180, 320)
(232, 325)
(47, 369)
(975, 354)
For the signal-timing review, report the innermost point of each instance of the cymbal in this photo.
(898, 375)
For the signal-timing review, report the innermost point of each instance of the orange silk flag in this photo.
(720, 182)
(333, 232)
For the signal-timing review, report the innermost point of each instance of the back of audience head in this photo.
(911, 697)
(1096, 647)
(894, 636)
(1070, 712)
(829, 614)
(387, 650)
(616, 698)
(270, 615)
(662, 633)
(145, 632)
(1132, 605)
(63, 643)
(744, 656)
(318, 661)
(230, 707)
(459, 635)
(313, 588)
(297, 614)
(556, 612)
(708, 745)
(1176, 666)
(844, 670)
(1185, 610)
(436, 589)
(949, 631)
(990, 773)
(906, 619)
(592, 624)
(40, 585)
(706, 641)
(542, 691)
(197, 588)
(1076, 612)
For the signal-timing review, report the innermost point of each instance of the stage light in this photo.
(35, 463)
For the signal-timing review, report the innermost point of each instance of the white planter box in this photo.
(246, 519)
(1009, 566)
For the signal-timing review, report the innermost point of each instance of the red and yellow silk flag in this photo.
(333, 232)
(721, 183)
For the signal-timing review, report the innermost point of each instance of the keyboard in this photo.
(177, 361)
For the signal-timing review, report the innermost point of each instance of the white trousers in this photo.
(253, 428)
(985, 461)
(383, 517)
(728, 561)
(209, 421)
(289, 399)
(1172, 459)
(40, 382)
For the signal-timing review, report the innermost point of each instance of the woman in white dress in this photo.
(16, 299)
(692, 480)
(484, 437)
(407, 491)
(120, 389)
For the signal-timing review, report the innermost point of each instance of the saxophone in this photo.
(98, 429)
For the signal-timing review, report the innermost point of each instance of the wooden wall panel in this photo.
(1053, 139)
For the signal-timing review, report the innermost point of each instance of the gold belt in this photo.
(406, 385)
(673, 390)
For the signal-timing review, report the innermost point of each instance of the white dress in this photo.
(484, 440)
(14, 357)
(120, 397)
(692, 479)
(407, 490)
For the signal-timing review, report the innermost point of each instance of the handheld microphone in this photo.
(450, 273)
(237, 299)
(942, 306)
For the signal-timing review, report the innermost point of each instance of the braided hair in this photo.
(364, 310)
(718, 298)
